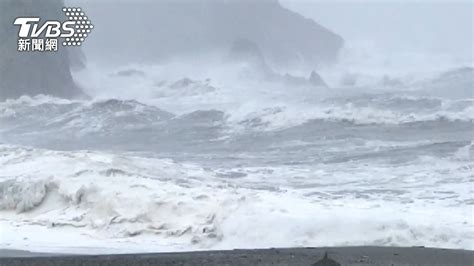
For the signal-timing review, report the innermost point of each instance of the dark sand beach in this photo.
(292, 256)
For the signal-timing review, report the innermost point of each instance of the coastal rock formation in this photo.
(32, 73)
(316, 80)
(158, 31)
(247, 52)
(244, 51)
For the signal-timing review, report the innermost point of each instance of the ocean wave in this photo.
(359, 114)
(379, 109)
(117, 196)
(132, 125)
(123, 202)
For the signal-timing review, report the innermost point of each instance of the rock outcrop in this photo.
(316, 80)
(248, 53)
(32, 73)
(156, 31)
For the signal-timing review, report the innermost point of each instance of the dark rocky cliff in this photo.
(284, 37)
(156, 31)
(32, 73)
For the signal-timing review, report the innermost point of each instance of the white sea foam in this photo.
(377, 162)
(87, 117)
(84, 201)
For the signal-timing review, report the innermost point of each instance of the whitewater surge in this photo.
(176, 163)
(126, 202)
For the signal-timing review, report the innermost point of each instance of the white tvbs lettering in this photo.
(30, 27)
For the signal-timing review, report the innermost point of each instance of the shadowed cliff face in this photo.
(285, 37)
(162, 30)
(32, 73)
(151, 32)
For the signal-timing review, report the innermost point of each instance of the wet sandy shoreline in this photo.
(290, 256)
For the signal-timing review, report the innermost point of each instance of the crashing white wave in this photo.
(273, 166)
(129, 204)
(285, 117)
(110, 196)
(147, 95)
(88, 117)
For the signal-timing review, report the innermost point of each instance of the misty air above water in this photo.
(222, 124)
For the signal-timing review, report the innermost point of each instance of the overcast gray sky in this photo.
(430, 26)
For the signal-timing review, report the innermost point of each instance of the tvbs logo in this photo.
(37, 36)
